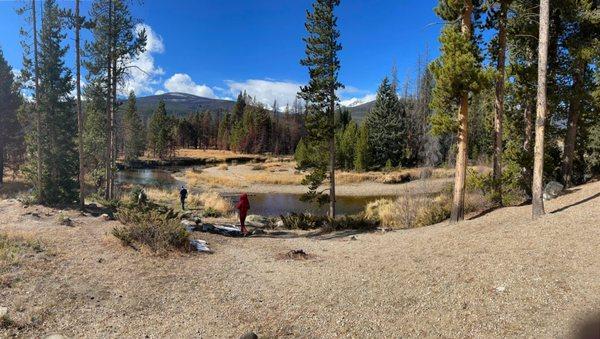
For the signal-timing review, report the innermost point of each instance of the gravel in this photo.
(498, 275)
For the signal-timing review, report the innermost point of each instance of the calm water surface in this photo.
(268, 204)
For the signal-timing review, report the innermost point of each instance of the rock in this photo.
(56, 336)
(200, 246)
(3, 311)
(249, 335)
(189, 225)
(256, 220)
(500, 289)
(106, 217)
(552, 190)
(258, 231)
(228, 231)
(279, 224)
(353, 237)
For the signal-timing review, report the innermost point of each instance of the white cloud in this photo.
(358, 101)
(143, 73)
(266, 91)
(181, 82)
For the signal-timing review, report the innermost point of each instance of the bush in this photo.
(395, 178)
(305, 221)
(223, 167)
(409, 211)
(258, 167)
(210, 212)
(151, 228)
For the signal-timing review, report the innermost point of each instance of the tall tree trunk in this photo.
(1, 163)
(38, 114)
(332, 161)
(458, 201)
(572, 125)
(79, 110)
(109, 71)
(528, 136)
(499, 103)
(541, 110)
(113, 141)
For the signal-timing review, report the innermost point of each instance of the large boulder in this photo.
(256, 220)
(552, 190)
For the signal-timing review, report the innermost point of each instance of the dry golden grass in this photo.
(195, 179)
(216, 154)
(208, 199)
(223, 167)
(273, 178)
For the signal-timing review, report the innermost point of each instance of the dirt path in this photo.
(498, 275)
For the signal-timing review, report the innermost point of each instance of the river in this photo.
(267, 204)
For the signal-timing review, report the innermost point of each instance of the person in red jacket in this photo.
(243, 206)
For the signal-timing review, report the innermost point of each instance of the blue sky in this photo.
(215, 48)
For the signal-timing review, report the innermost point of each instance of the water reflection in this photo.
(268, 204)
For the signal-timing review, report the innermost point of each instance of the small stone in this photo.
(500, 289)
(3, 311)
(106, 217)
(279, 224)
(353, 237)
(249, 335)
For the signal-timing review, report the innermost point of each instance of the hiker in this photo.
(243, 206)
(183, 195)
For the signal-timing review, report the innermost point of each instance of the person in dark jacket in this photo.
(182, 196)
(243, 206)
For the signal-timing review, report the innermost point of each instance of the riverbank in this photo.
(192, 157)
(282, 177)
(497, 275)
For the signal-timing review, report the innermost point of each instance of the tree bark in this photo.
(499, 103)
(572, 126)
(109, 71)
(460, 175)
(79, 110)
(332, 162)
(38, 115)
(541, 110)
(1, 163)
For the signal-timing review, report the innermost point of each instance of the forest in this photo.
(482, 100)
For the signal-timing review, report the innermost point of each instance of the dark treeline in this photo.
(249, 128)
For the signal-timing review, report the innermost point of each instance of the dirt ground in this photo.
(497, 275)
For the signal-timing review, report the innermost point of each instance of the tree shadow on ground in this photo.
(316, 234)
(577, 203)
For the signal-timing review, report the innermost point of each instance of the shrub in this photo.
(409, 211)
(210, 212)
(395, 178)
(305, 221)
(223, 167)
(258, 167)
(151, 228)
(425, 173)
(302, 221)
(216, 202)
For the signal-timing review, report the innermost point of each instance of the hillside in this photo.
(360, 111)
(497, 275)
(181, 104)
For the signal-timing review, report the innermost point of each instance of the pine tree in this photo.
(10, 100)
(133, 130)
(160, 132)
(387, 134)
(457, 74)
(362, 153)
(323, 65)
(115, 43)
(60, 165)
(538, 160)
(348, 146)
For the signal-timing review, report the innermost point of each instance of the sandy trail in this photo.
(497, 275)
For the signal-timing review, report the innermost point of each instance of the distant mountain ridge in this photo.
(181, 104)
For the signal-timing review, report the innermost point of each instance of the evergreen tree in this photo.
(115, 44)
(10, 99)
(457, 74)
(59, 159)
(362, 153)
(134, 141)
(348, 146)
(323, 64)
(538, 160)
(386, 129)
(160, 132)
